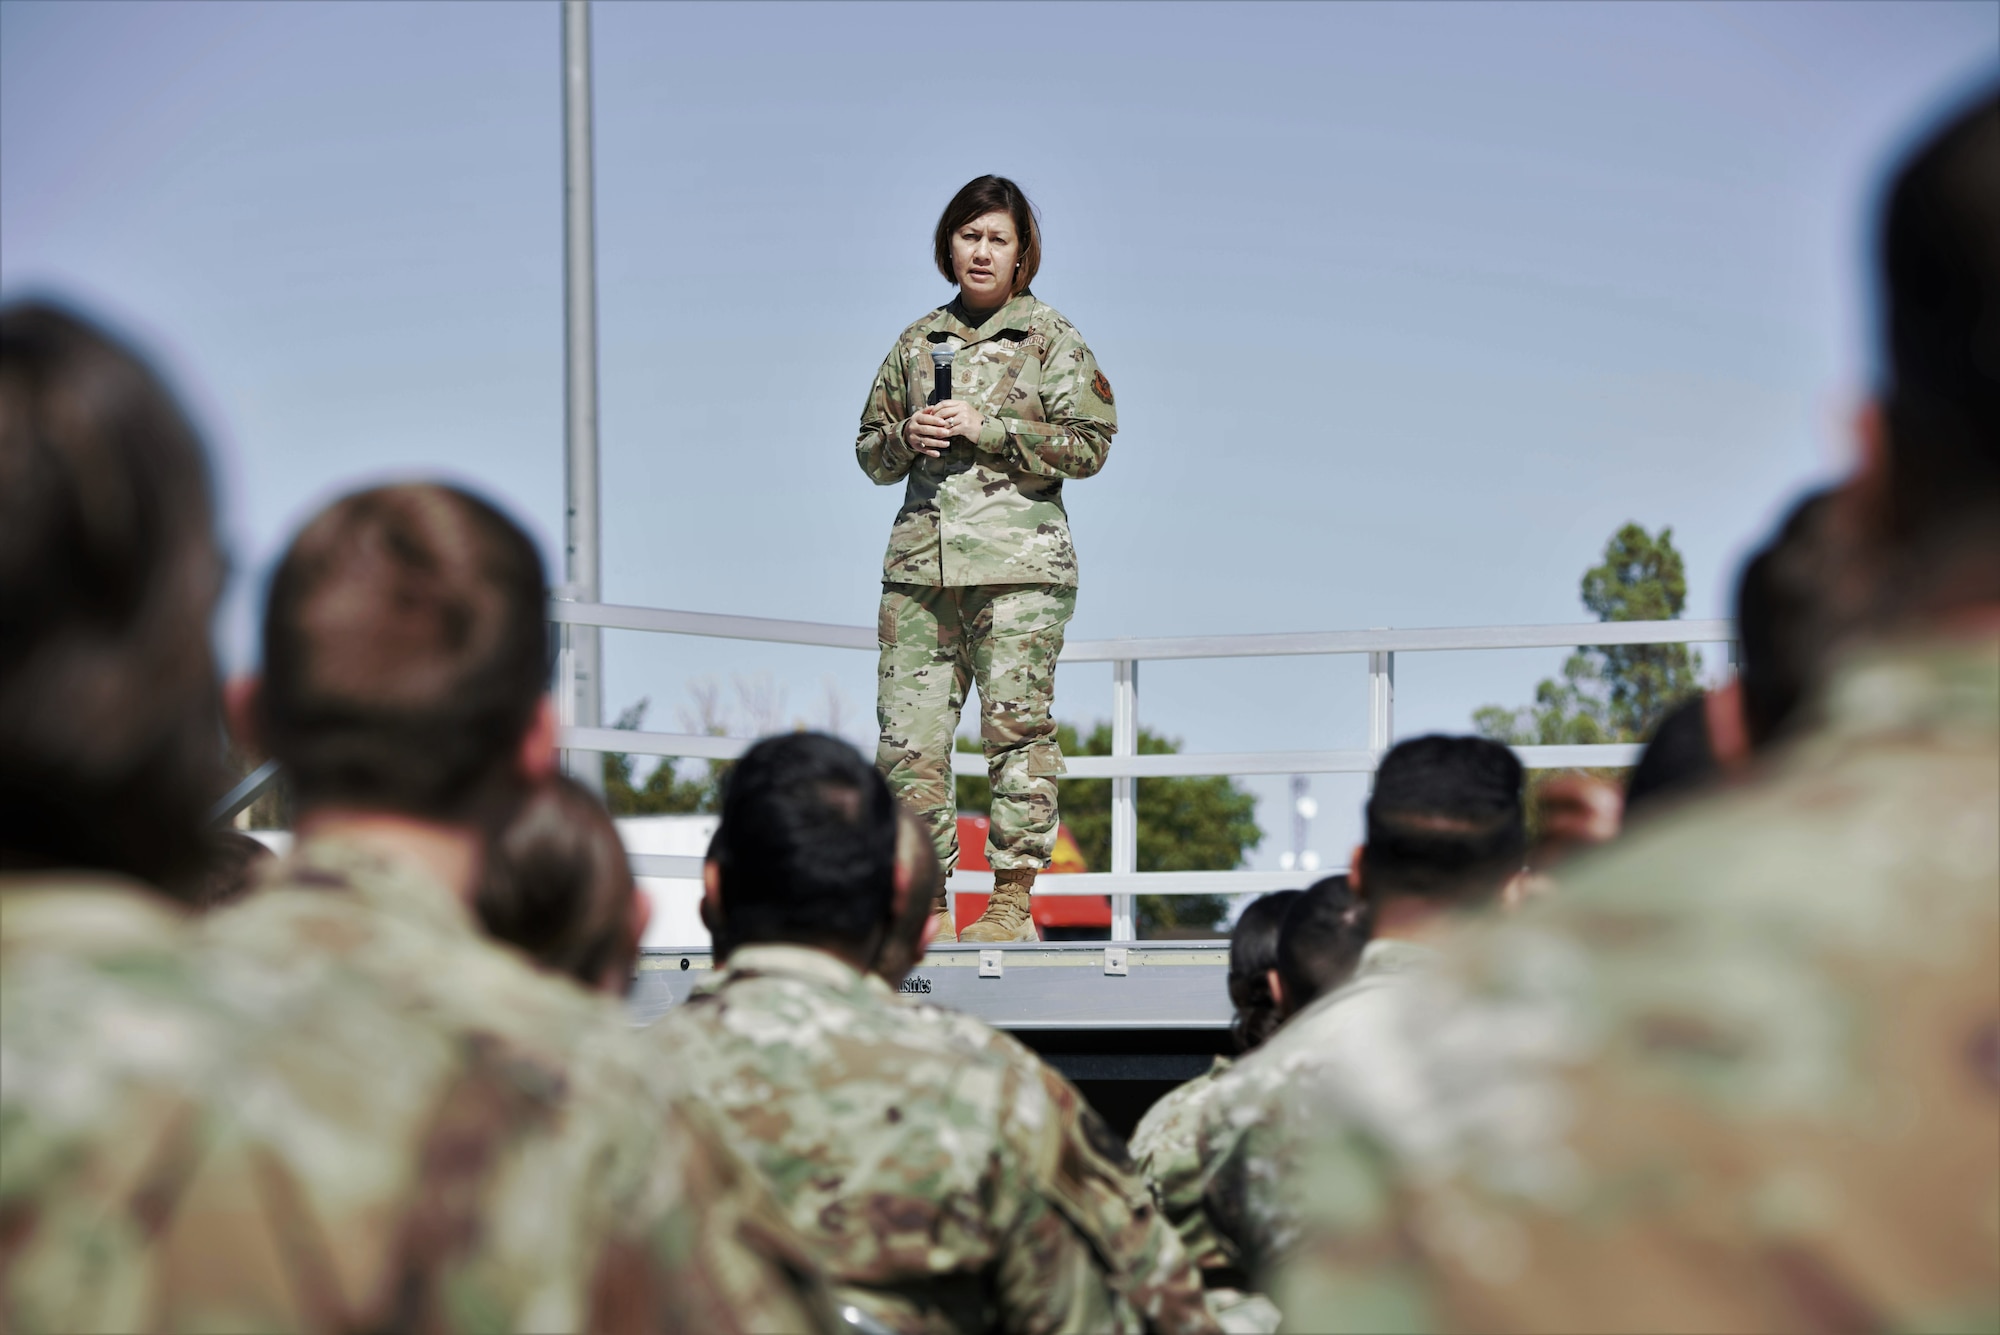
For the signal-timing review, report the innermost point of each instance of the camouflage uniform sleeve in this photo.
(1094, 1186)
(1352, 1267)
(879, 448)
(704, 1243)
(1078, 419)
(1171, 1162)
(1248, 1179)
(1050, 1276)
(1254, 1145)
(725, 1258)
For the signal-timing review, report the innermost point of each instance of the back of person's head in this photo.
(916, 862)
(806, 851)
(1253, 954)
(1940, 258)
(110, 726)
(1677, 761)
(405, 654)
(1786, 618)
(1320, 941)
(558, 886)
(1444, 821)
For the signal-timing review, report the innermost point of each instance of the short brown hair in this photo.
(405, 651)
(110, 719)
(977, 198)
(558, 884)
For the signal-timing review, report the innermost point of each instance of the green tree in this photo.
(1187, 824)
(1612, 693)
(664, 792)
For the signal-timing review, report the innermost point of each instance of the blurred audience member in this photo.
(109, 726)
(559, 886)
(1678, 758)
(948, 1179)
(1746, 1076)
(1163, 1144)
(119, 1046)
(720, 942)
(1791, 604)
(1445, 835)
(1253, 969)
(235, 860)
(1138, 1244)
(1793, 601)
(916, 858)
(1320, 943)
(1578, 811)
(505, 1156)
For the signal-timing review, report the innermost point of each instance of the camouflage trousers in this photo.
(1003, 638)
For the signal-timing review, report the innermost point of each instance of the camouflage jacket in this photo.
(989, 511)
(1164, 1146)
(448, 1138)
(947, 1183)
(1142, 1255)
(118, 1070)
(1743, 1074)
(1241, 1174)
(179, 1155)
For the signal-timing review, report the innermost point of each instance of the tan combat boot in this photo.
(1007, 917)
(946, 934)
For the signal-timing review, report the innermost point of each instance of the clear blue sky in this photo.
(1407, 307)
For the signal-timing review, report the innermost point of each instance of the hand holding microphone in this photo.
(930, 432)
(960, 418)
(927, 434)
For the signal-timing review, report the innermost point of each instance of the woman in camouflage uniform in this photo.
(980, 577)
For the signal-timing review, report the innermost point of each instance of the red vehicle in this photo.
(1057, 917)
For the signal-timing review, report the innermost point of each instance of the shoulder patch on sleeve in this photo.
(1101, 387)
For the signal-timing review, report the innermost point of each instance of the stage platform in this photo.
(1125, 1022)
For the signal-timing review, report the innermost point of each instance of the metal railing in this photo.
(1125, 766)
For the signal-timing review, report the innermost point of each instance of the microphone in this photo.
(941, 355)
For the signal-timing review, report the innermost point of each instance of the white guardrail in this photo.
(1124, 765)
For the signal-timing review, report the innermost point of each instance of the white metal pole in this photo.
(1124, 792)
(582, 566)
(1300, 786)
(1381, 701)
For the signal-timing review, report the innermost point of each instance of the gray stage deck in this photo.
(1057, 985)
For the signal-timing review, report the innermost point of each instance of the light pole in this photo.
(583, 648)
(1304, 808)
